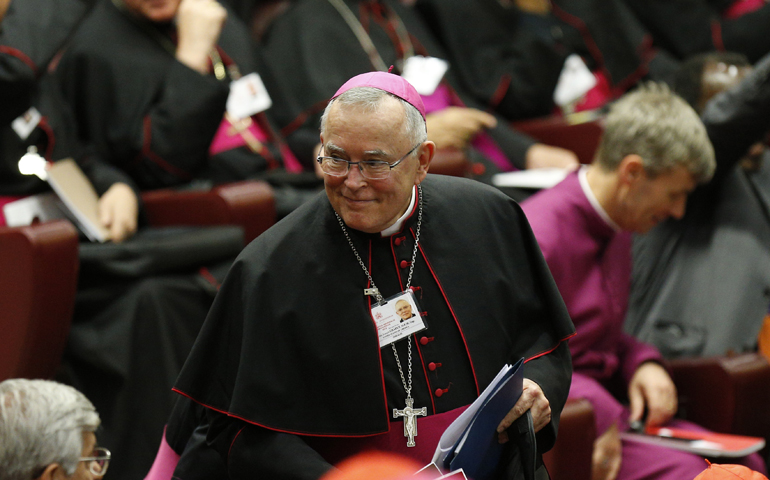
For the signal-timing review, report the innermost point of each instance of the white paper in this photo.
(424, 73)
(574, 82)
(42, 207)
(26, 123)
(453, 432)
(248, 96)
(536, 178)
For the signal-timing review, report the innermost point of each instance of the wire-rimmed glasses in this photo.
(98, 462)
(371, 169)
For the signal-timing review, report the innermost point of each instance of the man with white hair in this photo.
(47, 431)
(289, 366)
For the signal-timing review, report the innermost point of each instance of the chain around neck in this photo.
(378, 295)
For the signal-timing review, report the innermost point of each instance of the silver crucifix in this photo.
(410, 422)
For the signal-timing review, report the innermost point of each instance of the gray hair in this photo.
(370, 99)
(41, 423)
(660, 127)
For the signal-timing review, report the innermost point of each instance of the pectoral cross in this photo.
(410, 422)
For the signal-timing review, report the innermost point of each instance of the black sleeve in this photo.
(252, 451)
(25, 52)
(160, 137)
(737, 118)
(502, 66)
(687, 27)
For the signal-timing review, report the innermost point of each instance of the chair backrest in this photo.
(570, 457)
(727, 394)
(581, 137)
(38, 280)
(249, 204)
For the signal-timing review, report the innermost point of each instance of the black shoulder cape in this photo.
(290, 343)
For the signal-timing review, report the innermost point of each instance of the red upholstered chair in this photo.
(580, 133)
(725, 394)
(450, 161)
(570, 458)
(38, 279)
(249, 204)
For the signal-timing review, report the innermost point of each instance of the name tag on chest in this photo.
(26, 123)
(397, 318)
(248, 96)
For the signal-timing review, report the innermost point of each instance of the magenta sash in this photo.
(429, 431)
(227, 138)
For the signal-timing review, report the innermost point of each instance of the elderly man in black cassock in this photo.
(291, 370)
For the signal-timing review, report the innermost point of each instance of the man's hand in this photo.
(4, 8)
(606, 458)
(198, 23)
(532, 398)
(455, 127)
(540, 155)
(651, 386)
(118, 211)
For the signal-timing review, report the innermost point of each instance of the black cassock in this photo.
(511, 60)
(290, 347)
(151, 115)
(25, 83)
(687, 27)
(134, 321)
(311, 50)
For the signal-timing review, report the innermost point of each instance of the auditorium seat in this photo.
(38, 279)
(570, 458)
(728, 394)
(249, 204)
(580, 133)
(451, 161)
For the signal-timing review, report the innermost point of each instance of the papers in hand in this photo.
(470, 442)
(707, 444)
(78, 201)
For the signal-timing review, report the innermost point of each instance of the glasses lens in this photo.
(98, 467)
(375, 170)
(334, 166)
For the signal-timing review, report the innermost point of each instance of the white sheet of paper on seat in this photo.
(42, 207)
(536, 178)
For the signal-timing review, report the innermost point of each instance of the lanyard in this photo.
(407, 385)
(366, 41)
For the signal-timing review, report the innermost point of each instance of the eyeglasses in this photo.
(98, 463)
(371, 169)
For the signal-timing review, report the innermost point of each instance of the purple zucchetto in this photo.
(388, 82)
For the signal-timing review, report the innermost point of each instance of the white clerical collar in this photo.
(396, 227)
(583, 178)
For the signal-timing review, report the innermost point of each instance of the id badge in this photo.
(397, 317)
(424, 73)
(575, 81)
(26, 123)
(248, 96)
